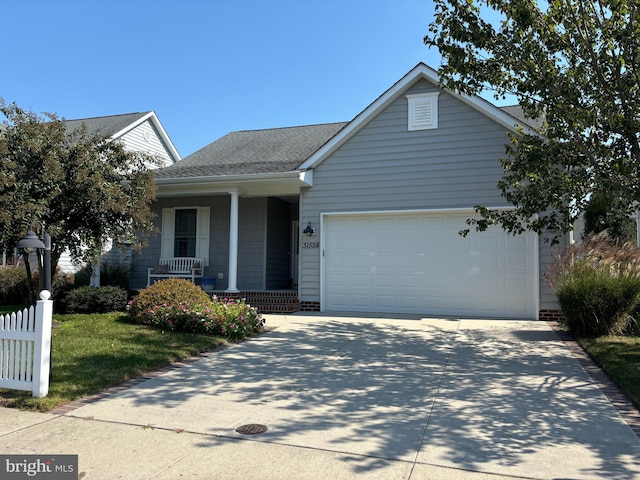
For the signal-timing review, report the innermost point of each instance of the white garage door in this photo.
(418, 263)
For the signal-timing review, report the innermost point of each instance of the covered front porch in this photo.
(247, 235)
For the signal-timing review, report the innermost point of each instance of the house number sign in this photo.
(314, 244)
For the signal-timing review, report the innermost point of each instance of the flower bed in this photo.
(177, 304)
(227, 318)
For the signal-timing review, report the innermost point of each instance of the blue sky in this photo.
(210, 67)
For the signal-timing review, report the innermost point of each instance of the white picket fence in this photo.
(25, 347)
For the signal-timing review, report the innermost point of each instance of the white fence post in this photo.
(42, 350)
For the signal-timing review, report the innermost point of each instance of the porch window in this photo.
(184, 243)
(185, 233)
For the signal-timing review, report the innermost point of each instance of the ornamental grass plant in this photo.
(597, 283)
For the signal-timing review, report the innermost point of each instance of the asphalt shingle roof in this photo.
(107, 126)
(254, 151)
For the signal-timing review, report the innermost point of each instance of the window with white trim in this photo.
(185, 233)
(184, 239)
(423, 111)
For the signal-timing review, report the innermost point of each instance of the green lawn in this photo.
(93, 352)
(619, 357)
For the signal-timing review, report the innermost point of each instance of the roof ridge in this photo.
(106, 116)
(289, 127)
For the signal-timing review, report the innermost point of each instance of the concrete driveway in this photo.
(345, 397)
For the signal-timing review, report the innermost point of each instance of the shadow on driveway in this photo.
(497, 397)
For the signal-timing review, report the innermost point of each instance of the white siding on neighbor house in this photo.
(385, 166)
(66, 265)
(145, 138)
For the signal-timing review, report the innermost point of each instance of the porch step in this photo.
(269, 301)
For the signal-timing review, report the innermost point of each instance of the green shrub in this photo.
(82, 278)
(94, 300)
(175, 304)
(171, 291)
(597, 283)
(114, 274)
(14, 288)
(63, 283)
(111, 274)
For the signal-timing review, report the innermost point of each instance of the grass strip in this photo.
(619, 358)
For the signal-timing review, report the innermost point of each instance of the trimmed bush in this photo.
(94, 300)
(597, 283)
(171, 291)
(176, 304)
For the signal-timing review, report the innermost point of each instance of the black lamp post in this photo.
(31, 243)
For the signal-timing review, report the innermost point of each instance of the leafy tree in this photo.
(83, 187)
(598, 218)
(573, 63)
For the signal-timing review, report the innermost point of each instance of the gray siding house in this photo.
(361, 216)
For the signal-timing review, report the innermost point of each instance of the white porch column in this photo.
(233, 244)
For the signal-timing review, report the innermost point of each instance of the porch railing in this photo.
(25, 347)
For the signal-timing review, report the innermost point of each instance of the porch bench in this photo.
(177, 267)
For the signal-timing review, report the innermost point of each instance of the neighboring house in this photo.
(141, 132)
(360, 216)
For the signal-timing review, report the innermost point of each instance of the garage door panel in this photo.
(387, 261)
(518, 243)
(517, 264)
(362, 302)
(340, 302)
(410, 281)
(384, 282)
(362, 261)
(362, 281)
(418, 263)
(339, 281)
(387, 302)
(517, 285)
(338, 260)
(490, 243)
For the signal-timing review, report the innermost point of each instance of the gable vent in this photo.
(423, 111)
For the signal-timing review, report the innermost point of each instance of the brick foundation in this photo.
(550, 315)
(287, 301)
(269, 301)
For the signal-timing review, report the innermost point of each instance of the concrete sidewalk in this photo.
(346, 397)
